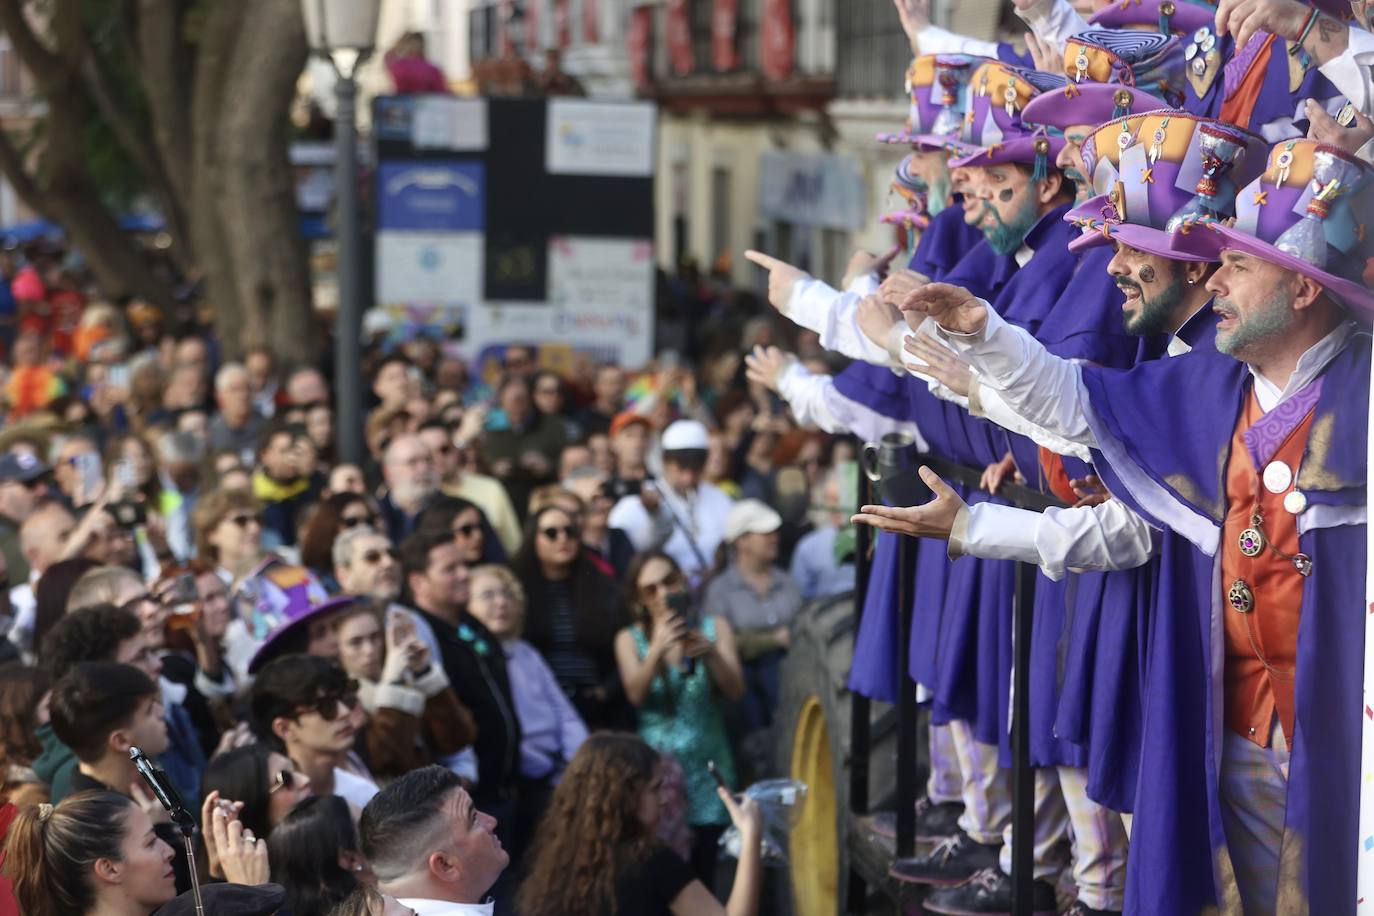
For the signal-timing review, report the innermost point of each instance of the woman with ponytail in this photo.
(95, 854)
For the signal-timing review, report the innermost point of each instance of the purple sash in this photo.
(1263, 438)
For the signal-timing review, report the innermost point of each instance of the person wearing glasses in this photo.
(575, 613)
(331, 517)
(679, 670)
(302, 706)
(258, 784)
(366, 564)
(229, 532)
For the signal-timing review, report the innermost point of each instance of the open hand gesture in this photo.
(940, 363)
(935, 519)
(954, 308)
(766, 365)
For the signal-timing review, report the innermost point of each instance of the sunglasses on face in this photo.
(285, 779)
(665, 585)
(328, 706)
(570, 532)
(354, 521)
(245, 519)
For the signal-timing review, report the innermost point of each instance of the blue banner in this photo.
(432, 195)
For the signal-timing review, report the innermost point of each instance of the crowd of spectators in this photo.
(498, 652)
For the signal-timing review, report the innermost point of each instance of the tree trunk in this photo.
(259, 212)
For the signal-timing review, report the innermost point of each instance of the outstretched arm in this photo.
(1108, 536)
(1038, 386)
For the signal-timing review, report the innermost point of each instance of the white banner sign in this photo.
(600, 138)
(446, 122)
(429, 267)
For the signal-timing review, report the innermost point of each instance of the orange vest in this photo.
(1269, 631)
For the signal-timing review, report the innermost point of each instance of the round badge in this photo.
(1209, 43)
(1251, 542)
(1199, 66)
(1167, 8)
(1202, 34)
(1295, 502)
(1284, 159)
(1278, 477)
(1010, 94)
(1188, 53)
(1240, 597)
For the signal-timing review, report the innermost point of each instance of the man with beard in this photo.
(1257, 497)
(365, 564)
(412, 479)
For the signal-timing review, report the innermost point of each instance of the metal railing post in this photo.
(1023, 775)
(906, 703)
(859, 731)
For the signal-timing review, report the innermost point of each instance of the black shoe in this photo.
(935, 821)
(951, 862)
(1079, 908)
(988, 893)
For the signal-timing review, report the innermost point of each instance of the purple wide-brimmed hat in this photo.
(1307, 213)
(1178, 17)
(938, 87)
(1153, 169)
(994, 131)
(276, 601)
(1111, 73)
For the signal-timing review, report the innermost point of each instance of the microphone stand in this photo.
(166, 793)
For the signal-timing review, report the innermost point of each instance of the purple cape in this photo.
(1178, 858)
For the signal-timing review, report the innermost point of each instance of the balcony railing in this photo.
(871, 52)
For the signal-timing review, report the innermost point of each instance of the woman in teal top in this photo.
(679, 674)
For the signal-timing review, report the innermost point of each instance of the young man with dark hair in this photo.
(430, 846)
(302, 706)
(436, 583)
(102, 632)
(100, 710)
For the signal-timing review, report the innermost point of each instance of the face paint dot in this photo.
(1147, 273)
(1005, 194)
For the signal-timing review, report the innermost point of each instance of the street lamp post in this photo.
(343, 32)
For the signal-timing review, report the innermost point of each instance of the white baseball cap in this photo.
(750, 516)
(683, 435)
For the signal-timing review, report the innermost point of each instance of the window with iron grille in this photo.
(872, 52)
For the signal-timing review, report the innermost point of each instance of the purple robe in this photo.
(1178, 858)
(974, 639)
(1103, 652)
(875, 672)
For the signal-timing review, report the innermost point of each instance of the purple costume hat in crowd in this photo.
(938, 87)
(1140, 70)
(994, 132)
(1177, 17)
(913, 192)
(1308, 212)
(278, 599)
(1153, 169)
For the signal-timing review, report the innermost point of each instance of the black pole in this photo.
(348, 396)
(1023, 776)
(906, 703)
(860, 737)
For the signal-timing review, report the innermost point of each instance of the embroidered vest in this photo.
(1262, 641)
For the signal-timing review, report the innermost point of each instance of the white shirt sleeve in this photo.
(1054, 21)
(1108, 536)
(814, 399)
(1042, 388)
(819, 307)
(1352, 72)
(934, 40)
(988, 403)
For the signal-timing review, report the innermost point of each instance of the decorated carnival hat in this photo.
(1154, 168)
(1176, 17)
(913, 192)
(276, 600)
(1134, 64)
(938, 87)
(1307, 212)
(994, 131)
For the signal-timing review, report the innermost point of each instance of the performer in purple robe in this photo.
(1258, 494)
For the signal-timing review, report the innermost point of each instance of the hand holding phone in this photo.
(715, 774)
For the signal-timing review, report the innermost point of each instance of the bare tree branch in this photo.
(37, 58)
(17, 174)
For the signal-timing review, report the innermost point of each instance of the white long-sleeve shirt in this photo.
(1352, 71)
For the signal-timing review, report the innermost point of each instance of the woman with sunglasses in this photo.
(680, 669)
(257, 783)
(332, 517)
(475, 537)
(574, 614)
(229, 532)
